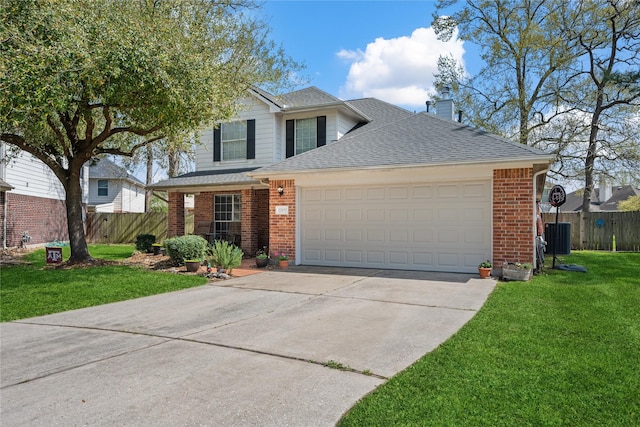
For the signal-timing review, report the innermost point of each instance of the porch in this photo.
(240, 217)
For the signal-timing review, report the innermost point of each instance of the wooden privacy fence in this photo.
(596, 230)
(125, 227)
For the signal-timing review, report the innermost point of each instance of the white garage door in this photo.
(434, 227)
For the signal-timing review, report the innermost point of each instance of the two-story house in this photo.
(362, 183)
(113, 189)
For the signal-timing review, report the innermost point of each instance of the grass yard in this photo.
(563, 349)
(30, 290)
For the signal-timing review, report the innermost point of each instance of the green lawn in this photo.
(563, 349)
(27, 291)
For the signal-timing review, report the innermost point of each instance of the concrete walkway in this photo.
(248, 351)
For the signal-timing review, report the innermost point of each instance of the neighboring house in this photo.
(113, 189)
(362, 183)
(604, 198)
(34, 210)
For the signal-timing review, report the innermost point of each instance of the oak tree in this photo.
(81, 78)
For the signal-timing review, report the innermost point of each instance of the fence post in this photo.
(581, 220)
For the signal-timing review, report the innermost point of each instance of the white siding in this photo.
(344, 125)
(132, 198)
(265, 131)
(122, 196)
(30, 177)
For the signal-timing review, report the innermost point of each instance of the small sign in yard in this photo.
(54, 254)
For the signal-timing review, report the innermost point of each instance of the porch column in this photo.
(176, 214)
(249, 228)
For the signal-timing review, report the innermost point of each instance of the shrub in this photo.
(226, 255)
(185, 247)
(144, 242)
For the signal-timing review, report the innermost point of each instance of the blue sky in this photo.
(354, 49)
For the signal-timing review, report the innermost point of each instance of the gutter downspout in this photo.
(535, 213)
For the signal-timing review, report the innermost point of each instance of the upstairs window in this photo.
(302, 135)
(306, 138)
(234, 140)
(103, 187)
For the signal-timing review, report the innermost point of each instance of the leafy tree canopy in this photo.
(79, 78)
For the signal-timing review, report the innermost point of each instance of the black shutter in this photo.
(216, 144)
(290, 137)
(251, 139)
(321, 131)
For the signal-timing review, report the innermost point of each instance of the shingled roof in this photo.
(106, 169)
(398, 139)
(208, 178)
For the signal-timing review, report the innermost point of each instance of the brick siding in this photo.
(176, 215)
(44, 219)
(513, 231)
(282, 228)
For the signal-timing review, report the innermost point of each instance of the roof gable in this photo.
(106, 169)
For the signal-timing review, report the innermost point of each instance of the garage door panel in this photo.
(422, 192)
(376, 257)
(375, 236)
(376, 193)
(399, 258)
(353, 215)
(333, 215)
(430, 227)
(354, 256)
(375, 215)
(312, 255)
(398, 193)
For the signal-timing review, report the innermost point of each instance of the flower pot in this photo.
(485, 273)
(512, 272)
(157, 249)
(284, 263)
(262, 262)
(192, 266)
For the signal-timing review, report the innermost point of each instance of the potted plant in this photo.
(283, 260)
(156, 248)
(193, 265)
(262, 259)
(484, 269)
(516, 271)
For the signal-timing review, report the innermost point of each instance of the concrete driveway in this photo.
(252, 350)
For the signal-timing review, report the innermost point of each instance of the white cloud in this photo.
(400, 70)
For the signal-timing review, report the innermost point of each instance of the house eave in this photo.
(337, 104)
(203, 188)
(504, 163)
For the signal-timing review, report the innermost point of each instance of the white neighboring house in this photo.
(33, 201)
(113, 189)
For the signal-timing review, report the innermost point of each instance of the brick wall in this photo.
(513, 231)
(282, 228)
(262, 213)
(254, 216)
(44, 219)
(176, 214)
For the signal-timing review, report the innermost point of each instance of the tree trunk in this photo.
(149, 193)
(174, 162)
(75, 220)
(592, 153)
